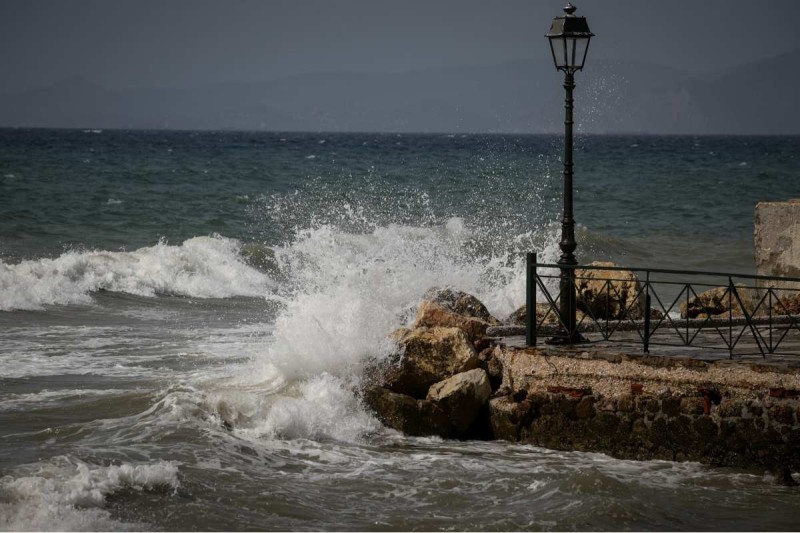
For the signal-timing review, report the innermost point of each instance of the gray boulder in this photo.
(408, 415)
(459, 302)
(429, 355)
(431, 314)
(504, 418)
(462, 396)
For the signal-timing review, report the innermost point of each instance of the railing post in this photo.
(686, 341)
(647, 314)
(769, 293)
(530, 299)
(748, 320)
(730, 317)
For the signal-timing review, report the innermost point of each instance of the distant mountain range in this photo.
(516, 97)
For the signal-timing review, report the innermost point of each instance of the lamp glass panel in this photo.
(580, 51)
(559, 49)
(571, 52)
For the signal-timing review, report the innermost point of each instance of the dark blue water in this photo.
(158, 287)
(128, 189)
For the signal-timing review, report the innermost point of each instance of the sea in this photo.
(185, 317)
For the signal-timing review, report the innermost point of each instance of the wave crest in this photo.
(68, 495)
(201, 267)
(349, 290)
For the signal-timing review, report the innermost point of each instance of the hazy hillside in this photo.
(520, 96)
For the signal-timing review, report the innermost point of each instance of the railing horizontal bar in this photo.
(721, 349)
(692, 323)
(666, 271)
(665, 282)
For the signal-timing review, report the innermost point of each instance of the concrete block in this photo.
(777, 239)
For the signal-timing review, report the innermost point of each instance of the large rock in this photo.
(408, 415)
(432, 314)
(429, 355)
(460, 303)
(490, 359)
(612, 294)
(545, 314)
(504, 418)
(720, 301)
(462, 396)
(786, 305)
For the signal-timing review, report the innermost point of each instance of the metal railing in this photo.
(746, 314)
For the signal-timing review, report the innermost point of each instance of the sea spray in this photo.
(343, 294)
(349, 290)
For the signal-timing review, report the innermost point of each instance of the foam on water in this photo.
(202, 267)
(349, 290)
(106, 351)
(50, 397)
(68, 495)
(344, 282)
(344, 293)
(325, 409)
(341, 292)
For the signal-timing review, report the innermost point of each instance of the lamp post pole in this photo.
(567, 301)
(569, 38)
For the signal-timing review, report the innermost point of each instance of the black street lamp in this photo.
(569, 42)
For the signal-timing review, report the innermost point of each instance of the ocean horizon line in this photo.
(99, 129)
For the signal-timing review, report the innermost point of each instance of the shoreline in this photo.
(452, 380)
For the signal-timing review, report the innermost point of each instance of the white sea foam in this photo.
(49, 397)
(68, 495)
(202, 267)
(101, 350)
(351, 290)
(324, 409)
(345, 293)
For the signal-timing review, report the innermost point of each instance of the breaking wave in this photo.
(68, 495)
(201, 267)
(342, 294)
(347, 291)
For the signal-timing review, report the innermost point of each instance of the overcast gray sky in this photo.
(124, 43)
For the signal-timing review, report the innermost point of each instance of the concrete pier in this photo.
(720, 412)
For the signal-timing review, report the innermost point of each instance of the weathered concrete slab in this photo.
(777, 239)
(628, 346)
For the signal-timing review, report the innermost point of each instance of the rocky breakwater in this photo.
(722, 303)
(449, 379)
